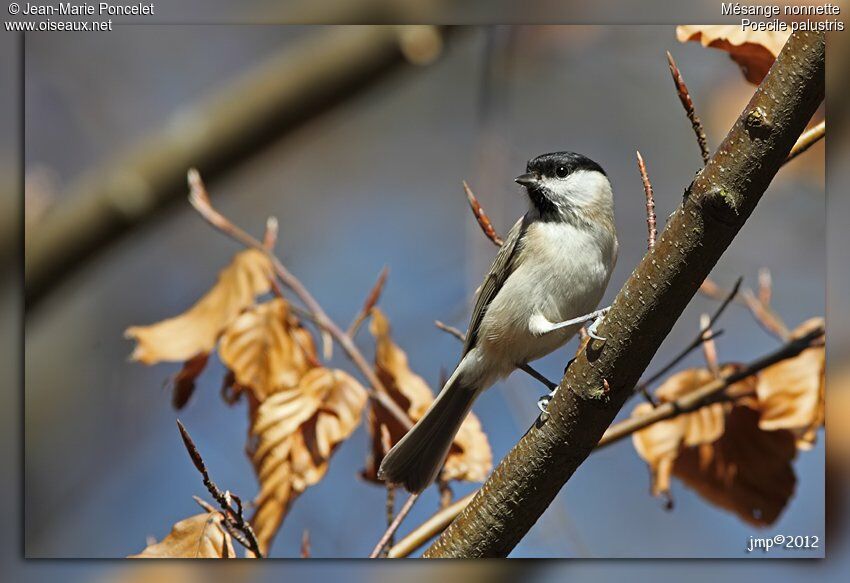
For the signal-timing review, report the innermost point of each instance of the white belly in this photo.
(566, 279)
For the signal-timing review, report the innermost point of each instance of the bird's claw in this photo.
(543, 402)
(591, 330)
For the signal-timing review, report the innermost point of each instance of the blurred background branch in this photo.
(300, 82)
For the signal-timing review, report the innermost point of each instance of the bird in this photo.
(546, 281)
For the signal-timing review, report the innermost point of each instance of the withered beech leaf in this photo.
(706, 423)
(267, 349)
(661, 443)
(754, 51)
(198, 537)
(295, 431)
(196, 331)
(747, 471)
(470, 457)
(791, 393)
(184, 381)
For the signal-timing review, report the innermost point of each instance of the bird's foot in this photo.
(591, 330)
(543, 402)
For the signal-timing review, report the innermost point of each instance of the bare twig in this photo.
(704, 335)
(199, 199)
(369, 303)
(761, 311)
(391, 530)
(710, 392)
(643, 389)
(270, 236)
(305, 544)
(526, 368)
(233, 515)
(706, 395)
(709, 349)
(446, 494)
(765, 316)
(652, 231)
(428, 529)
(481, 217)
(450, 330)
(807, 140)
(765, 286)
(688, 104)
(386, 444)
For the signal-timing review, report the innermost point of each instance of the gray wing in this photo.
(503, 265)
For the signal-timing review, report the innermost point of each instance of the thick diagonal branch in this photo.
(716, 206)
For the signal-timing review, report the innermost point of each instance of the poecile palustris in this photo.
(551, 272)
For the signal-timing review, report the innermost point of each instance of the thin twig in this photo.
(709, 348)
(270, 236)
(688, 104)
(807, 140)
(386, 445)
(446, 494)
(481, 217)
(226, 525)
(390, 510)
(305, 544)
(526, 368)
(765, 316)
(233, 515)
(369, 303)
(199, 199)
(706, 395)
(650, 203)
(710, 392)
(765, 286)
(704, 335)
(429, 529)
(391, 530)
(450, 330)
(761, 311)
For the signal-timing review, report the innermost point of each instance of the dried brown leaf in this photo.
(753, 51)
(791, 393)
(267, 349)
(297, 430)
(198, 537)
(196, 331)
(661, 443)
(747, 471)
(658, 445)
(184, 381)
(719, 450)
(703, 425)
(470, 457)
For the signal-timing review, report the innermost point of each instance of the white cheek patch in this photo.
(581, 188)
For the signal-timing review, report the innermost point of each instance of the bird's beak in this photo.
(527, 179)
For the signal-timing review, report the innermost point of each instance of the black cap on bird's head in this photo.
(562, 180)
(556, 165)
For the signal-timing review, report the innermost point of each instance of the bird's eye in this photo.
(561, 172)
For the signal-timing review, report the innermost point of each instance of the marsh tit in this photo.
(544, 284)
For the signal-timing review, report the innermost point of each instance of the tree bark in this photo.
(597, 384)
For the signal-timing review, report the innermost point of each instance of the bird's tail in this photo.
(415, 461)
